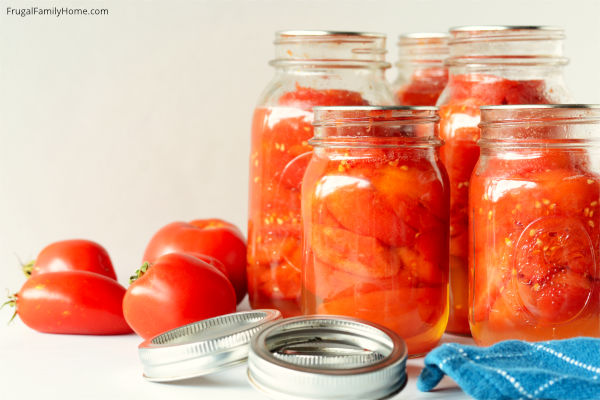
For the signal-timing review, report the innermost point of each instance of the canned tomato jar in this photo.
(312, 68)
(375, 211)
(535, 224)
(488, 65)
(422, 74)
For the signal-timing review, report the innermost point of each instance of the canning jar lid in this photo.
(327, 357)
(202, 347)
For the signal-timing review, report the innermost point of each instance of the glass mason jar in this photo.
(311, 68)
(421, 72)
(375, 211)
(534, 213)
(488, 66)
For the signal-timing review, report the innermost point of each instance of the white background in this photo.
(112, 126)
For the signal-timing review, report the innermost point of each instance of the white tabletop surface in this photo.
(44, 366)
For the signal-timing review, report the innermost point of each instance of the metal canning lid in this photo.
(327, 357)
(202, 347)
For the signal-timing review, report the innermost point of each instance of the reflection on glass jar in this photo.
(535, 218)
(488, 66)
(421, 72)
(311, 68)
(375, 210)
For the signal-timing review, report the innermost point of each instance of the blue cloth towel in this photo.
(558, 369)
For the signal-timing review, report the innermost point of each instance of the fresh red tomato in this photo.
(211, 261)
(177, 289)
(72, 302)
(212, 237)
(72, 255)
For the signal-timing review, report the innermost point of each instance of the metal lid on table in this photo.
(202, 347)
(327, 357)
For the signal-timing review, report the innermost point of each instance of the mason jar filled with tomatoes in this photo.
(312, 68)
(535, 220)
(375, 211)
(488, 65)
(422, 75)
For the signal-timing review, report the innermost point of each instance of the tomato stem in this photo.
(11, 302)
(140, 272)
(28, 268)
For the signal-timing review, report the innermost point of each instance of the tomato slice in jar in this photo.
(328, 282)
(306, 98)
(426, 263)
(543, 266)
(555, 265)
(424, 87)
(408, 311)
(407, 187)
(363, 256)
(490, 89)
(276, 248)
(281, 281)
(345, 195)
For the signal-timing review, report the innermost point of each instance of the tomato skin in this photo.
(212, 262)
(72, 302)
(74, 255)
(176, 290)
(212, 237)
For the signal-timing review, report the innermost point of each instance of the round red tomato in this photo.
(211, 237)
(72, 302)
(72, 255)
(176, 290)
(211, 261)
(555, 268)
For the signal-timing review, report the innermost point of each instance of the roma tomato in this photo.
(72, 255)
(211, 261)
(212, 237)
(72, 302)
(176, 290)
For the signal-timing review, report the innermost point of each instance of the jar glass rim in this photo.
(375, 108)
(500, 28)
(293, 35)
(538, 114)
(506, 45)
(540, 125)
(540, 106)
(323, 49)
(335, 116)
(375, 126)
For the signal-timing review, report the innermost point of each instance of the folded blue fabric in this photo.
(557, 369)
